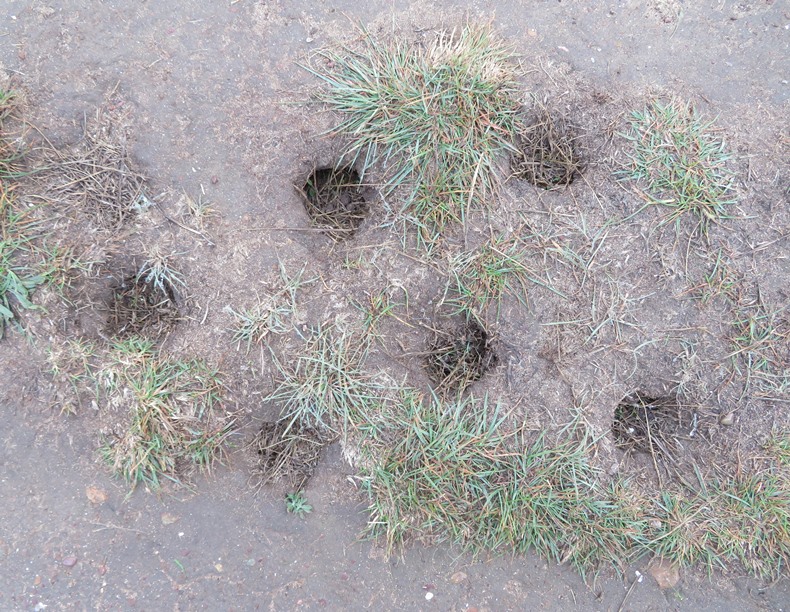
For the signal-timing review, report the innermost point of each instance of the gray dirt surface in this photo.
(211, 96)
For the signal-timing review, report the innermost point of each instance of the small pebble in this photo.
(429, 596)
(728, 419)
(69, 561)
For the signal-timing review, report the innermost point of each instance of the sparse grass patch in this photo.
(761, 349)
(681, 160)
(99, 176)
(18, 279)
(438, 117)
(172, 421)
(481, 277)
(271, 315)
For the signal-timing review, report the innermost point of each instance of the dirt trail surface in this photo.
(210, 99)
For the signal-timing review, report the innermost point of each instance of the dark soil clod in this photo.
(652, 425)
(290, 452)
(459, 358)
(548, 154)
(140, 306)
(335, 202)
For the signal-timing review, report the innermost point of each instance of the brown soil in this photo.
(206, 100)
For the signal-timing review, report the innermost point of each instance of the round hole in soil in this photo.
(141, 306)
(652, 425)
(548, 156)
(459, 357)
(335, 201)
(287, 451)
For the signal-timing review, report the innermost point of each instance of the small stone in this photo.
(96, 495)
(69, 561)
(458, 577)
(727, 419)
(214, 180)
(37, 581)
(428, 596)
(218, 567)
(169, 519)
(249, 562)
(665, 573)
(656, 524)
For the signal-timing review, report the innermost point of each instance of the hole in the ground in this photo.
(335, 201)
(548, 154)
(287, 451)
(142, 304)
(652, 425)
(459, 357)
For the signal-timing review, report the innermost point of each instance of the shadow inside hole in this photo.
(335, 201)
(653, 425)
(142, 305)
(548, 155)
(287, 451)
(457, 358)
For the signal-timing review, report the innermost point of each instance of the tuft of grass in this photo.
(74, 362)
(328, 389)
(296, 503)
(157, 272)
(271, 315)
(172, 422)
(437, 117)
(17, 279)
(681, 160)
(480, 278)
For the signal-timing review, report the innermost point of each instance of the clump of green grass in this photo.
(455, 474)
(271, 315)
(18, 280)
(681, 160)
(438, 117)
(480, 278)
(328, 388)
(296, 503)
(172, 421)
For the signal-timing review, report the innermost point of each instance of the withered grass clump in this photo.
(98, 176)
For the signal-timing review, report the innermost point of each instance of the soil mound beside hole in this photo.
(287, 452)
(335, 202)
(653, 425)
(142, 306)
(548, 155)
(458, 358)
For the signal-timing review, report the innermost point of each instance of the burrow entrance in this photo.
(335, 201)
(458, 357)
(144, 304)
(653, 425)
(287, 451)
(548, 153)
